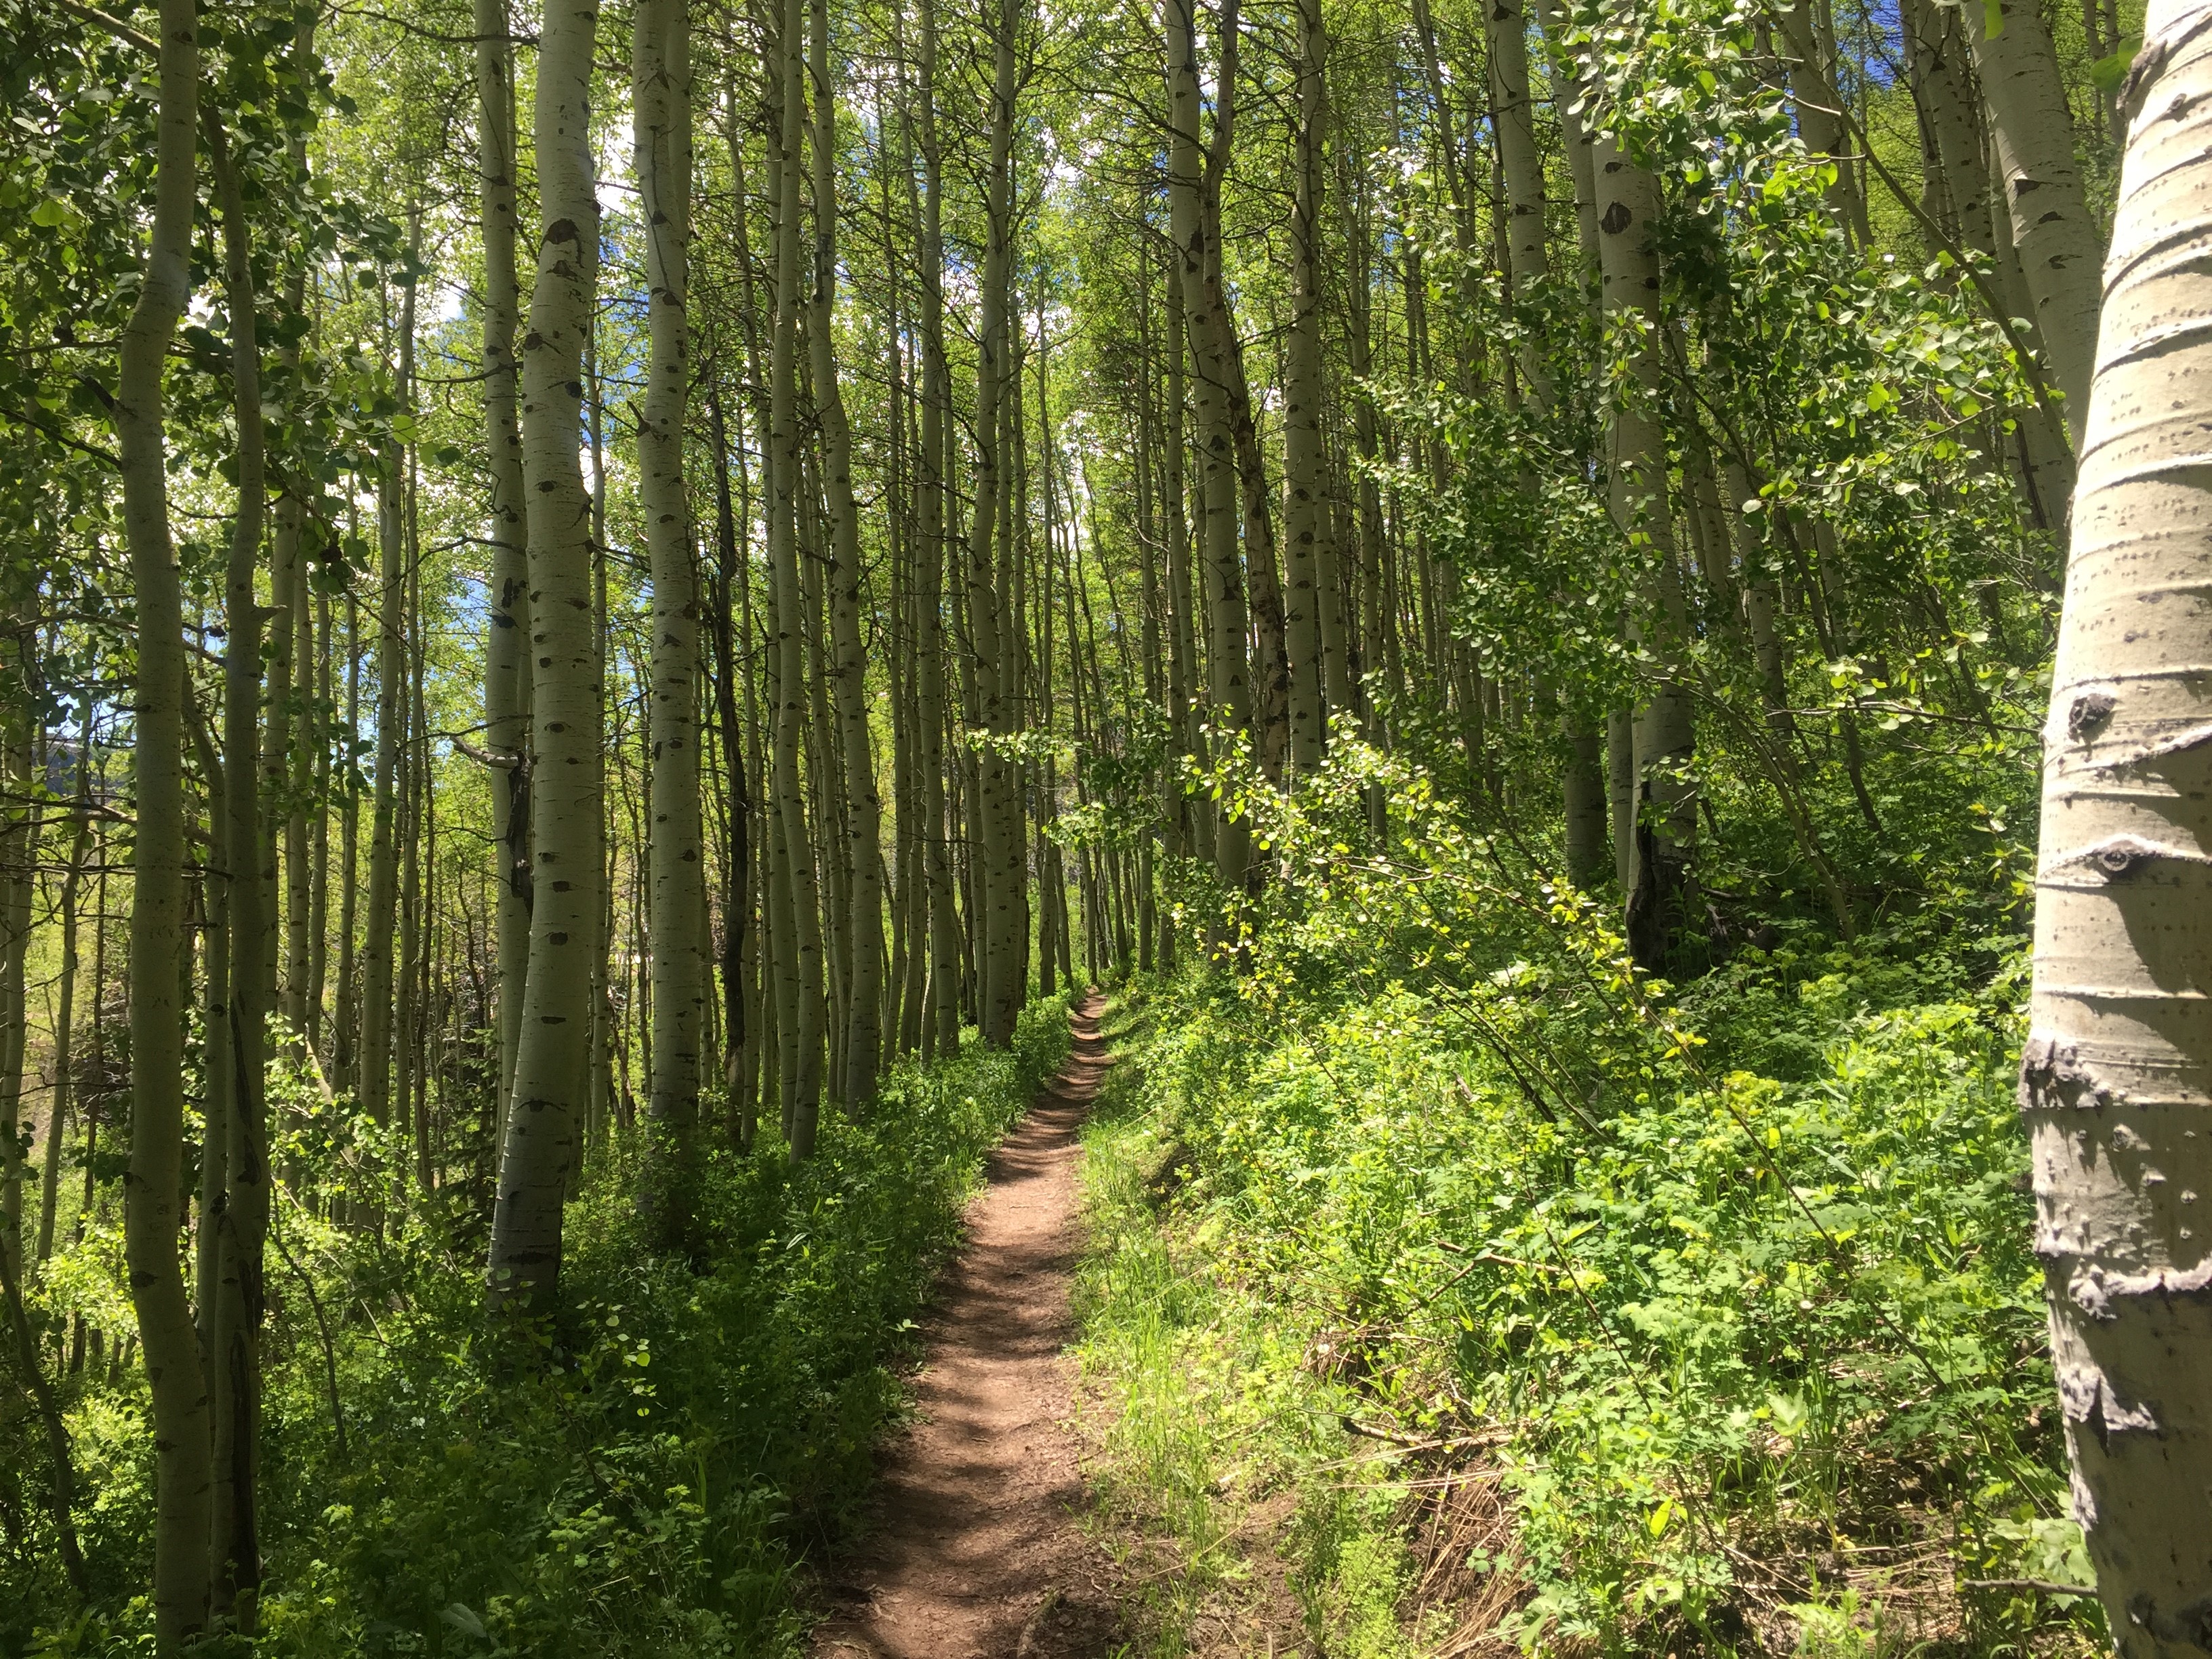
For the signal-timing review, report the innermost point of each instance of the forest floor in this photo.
(977, 1548)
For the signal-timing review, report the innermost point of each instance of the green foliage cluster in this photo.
(1730, 1289)
(683, 1432)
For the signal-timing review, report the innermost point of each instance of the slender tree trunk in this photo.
(941, 1036)
(660, 95)
(1304, 450)
(1663, 808)
(1187, 712)
(738, 1037)
(1228, 690)
(997, 806)
(242, 1219)
(346, 1051)
(2040, 183)
(374, 1087)
(803, 1079)
(64, 1090)
(2116, 1074)
(19, 847)
(863, 809)
(507, 654)
(318, 787)
(552, 1064)
(152, 1217)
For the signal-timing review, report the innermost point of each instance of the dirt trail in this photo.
(975, 1552)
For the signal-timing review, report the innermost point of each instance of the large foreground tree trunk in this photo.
(2117, 1078)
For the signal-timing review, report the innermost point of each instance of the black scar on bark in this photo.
(2051, 1076)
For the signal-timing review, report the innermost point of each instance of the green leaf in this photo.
(2106, 73)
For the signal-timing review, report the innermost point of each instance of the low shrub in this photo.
(642, 1471)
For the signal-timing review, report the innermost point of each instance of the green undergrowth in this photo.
(1227, 1485)
(645, 1472)
(1741, 1351)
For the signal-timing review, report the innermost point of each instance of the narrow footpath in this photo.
(976, 1551)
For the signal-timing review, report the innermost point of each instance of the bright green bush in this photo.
(641, 1473)
(1733, 1289)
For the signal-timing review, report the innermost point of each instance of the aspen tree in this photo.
(660, 103)
(1304, 459)
(345, 1045)
(18, 860)
(2116, 1074)
(2040, 181)
(864, 810)
(1822, 119)
(242, 1215)
(1269, 689)
(1527, 266)
(1935, 40)
(17, 843)
(941, 1034)
(373, 1087)
(1228, 687)
(801, 932)
(998, 805)
(507, 655)
(152, 1217)
(1662, 808)
(739, 1040)
(1366, 450)
(552, 1073)
(12, 894)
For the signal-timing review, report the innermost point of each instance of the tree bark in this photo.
(242, 1220)
(507, 654)
(372, 1088)
(12, 995)
(152, 1217)
(2115, 1079)
(552, 1068)
(1228, 685)
(660, 97)
(802, 1081)
(1304, 451)
(1663, 810)
(993, 653)
(862, 1055)
(2040, 182)
(941, 1034)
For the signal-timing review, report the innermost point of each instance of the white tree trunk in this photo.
(1662, 823)
(1305, 516)
(2117, 1078)
(1229, 690)
(863, 806)
(800, 942)
(507, 655)
(2041, 184)
(552, 1069)
(660, 81)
